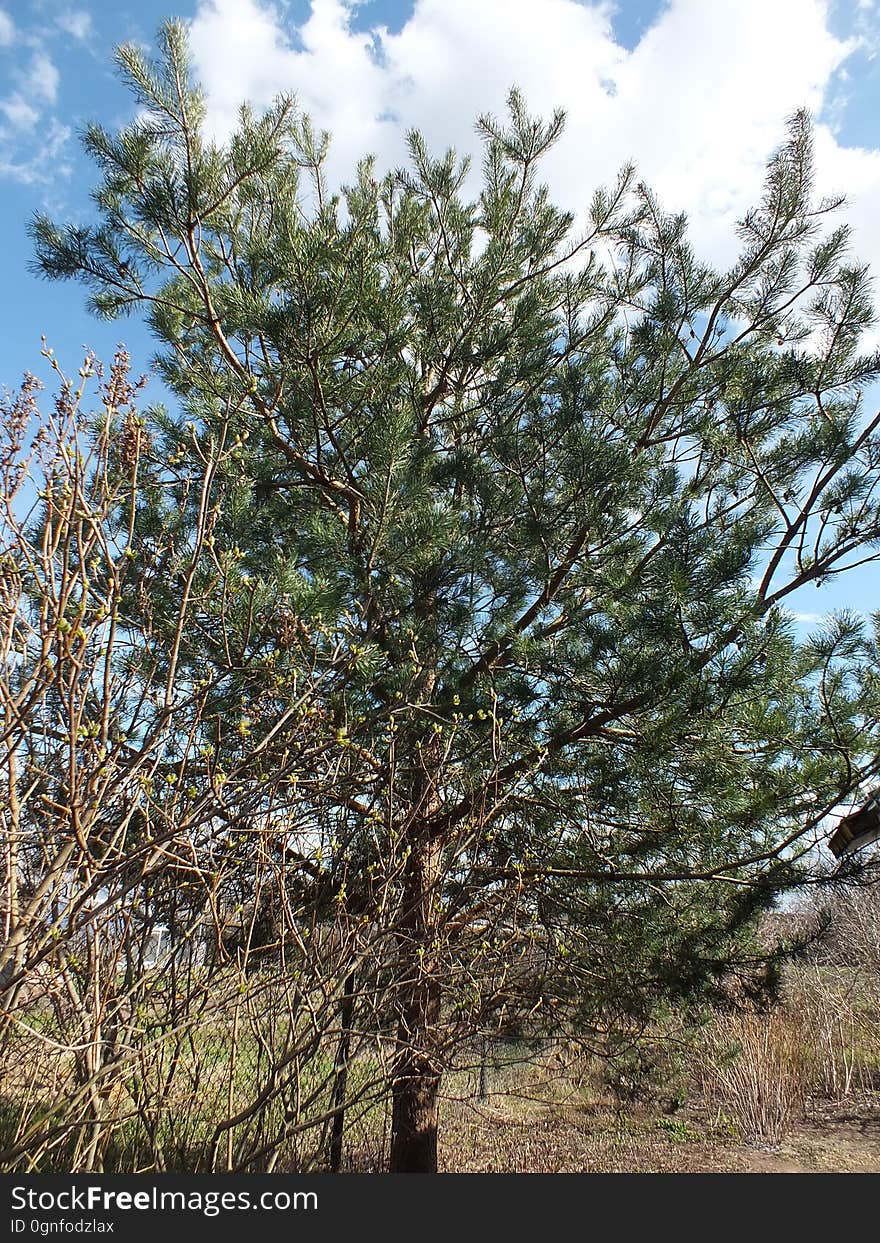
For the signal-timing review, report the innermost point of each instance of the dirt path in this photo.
(845, 1145)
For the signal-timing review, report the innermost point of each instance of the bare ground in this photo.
(499, 1135)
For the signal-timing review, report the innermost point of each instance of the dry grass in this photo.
(794, 1087)
(758, 1072)
(530, 1122)
(841, 1010)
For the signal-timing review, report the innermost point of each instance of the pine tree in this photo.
(532, 502)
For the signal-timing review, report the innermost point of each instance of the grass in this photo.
(678, 1101)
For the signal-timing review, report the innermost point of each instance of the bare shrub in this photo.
(757, 1070)
(836, 990)
(172, 949)
(842, 1030)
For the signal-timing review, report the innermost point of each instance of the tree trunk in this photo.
(416, 1075)
(483, 1090)
(340, 1079)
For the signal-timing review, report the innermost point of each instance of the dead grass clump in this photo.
(757, 1070)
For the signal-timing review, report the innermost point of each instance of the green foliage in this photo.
(521, 507)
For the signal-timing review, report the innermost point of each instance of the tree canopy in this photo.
(506, 510)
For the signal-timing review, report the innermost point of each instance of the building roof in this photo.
(858, 829)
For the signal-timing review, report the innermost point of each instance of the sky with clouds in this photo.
(696, 93)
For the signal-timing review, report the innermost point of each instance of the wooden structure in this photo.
(858, 829)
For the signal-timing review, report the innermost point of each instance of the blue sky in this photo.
(696, 92)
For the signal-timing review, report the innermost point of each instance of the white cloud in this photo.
(454, 60)
(243, 53)
(77, 23)
(699, 103)
(18, 112)
(45, 164)
(42, 78)
(854, 171)
(7, 29)
(867, 26)
(31, 157)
